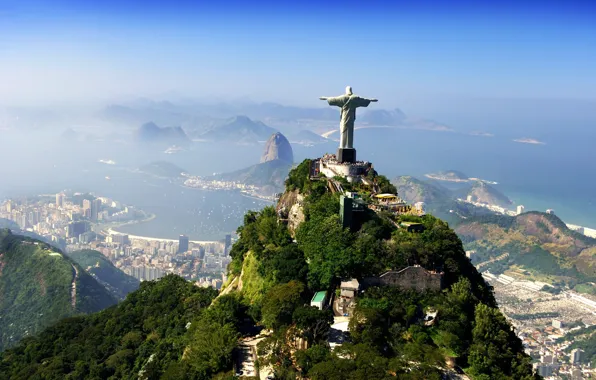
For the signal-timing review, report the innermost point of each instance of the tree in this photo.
(496, 351)
(385, 185)
(328, 248)
(279, 304)
(284, 264)
(306, 359)
(211, 347)
(314, 323)
(354, 362)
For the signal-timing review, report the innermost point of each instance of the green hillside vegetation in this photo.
(35, 288)
(165, 329)
(267, 174)
(536, 241)
(163, 169)
(101, 268)
(144, 337)
(415, 190)
(438, 199)
(389, 339)
(484, 193)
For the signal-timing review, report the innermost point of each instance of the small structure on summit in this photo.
(349, 289)
(349, 204)
(412, 226)
(390, 202)
(319, 300)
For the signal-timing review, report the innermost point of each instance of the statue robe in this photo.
(348, 105)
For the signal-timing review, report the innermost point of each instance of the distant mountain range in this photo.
(39, 285)
(535, 241)
(383, 117)
(307, 137)
(238, 129)
(151, 133)
(442, 202)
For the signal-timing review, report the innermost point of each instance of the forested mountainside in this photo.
(171, 329)
(39, 286)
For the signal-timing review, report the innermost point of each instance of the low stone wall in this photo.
(415, 278)
(331, 169)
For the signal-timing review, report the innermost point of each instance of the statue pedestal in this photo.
(346, 155)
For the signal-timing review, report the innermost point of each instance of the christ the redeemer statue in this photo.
(348, 104)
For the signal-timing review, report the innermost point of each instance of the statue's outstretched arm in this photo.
(324, 98)
(374, 100)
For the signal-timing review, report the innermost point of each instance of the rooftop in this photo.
(351, 284)
(319, 296)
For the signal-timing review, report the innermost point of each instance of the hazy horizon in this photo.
(69, 52)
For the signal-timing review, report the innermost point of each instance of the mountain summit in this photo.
(239, 129)
(278, 148)
(150, 132)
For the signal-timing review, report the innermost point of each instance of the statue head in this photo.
(348, 90)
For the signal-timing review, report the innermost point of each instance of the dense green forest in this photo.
(102, 269)
(144, 337)
(36, 288)
(171, 329)
(281, 273)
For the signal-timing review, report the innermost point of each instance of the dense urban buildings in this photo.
(82, 221)
(182, 244)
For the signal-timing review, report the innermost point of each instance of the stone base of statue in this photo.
(346, 155)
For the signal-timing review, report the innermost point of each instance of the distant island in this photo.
(455, 176)
(529, 141)
(261, 180)
(151, 133)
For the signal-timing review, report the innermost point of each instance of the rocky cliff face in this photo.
(278, 148)
(290, 207)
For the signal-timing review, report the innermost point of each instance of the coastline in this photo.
(113, 231)
(262, 199)
(253, 196)
(586, 231)
(113, 228)
(459, 180)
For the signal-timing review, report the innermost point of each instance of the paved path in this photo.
(73, 291)
(484, 263)
(248, 355)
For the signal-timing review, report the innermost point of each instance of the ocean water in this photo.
(557, 175)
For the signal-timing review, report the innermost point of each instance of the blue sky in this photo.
(396, 51)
